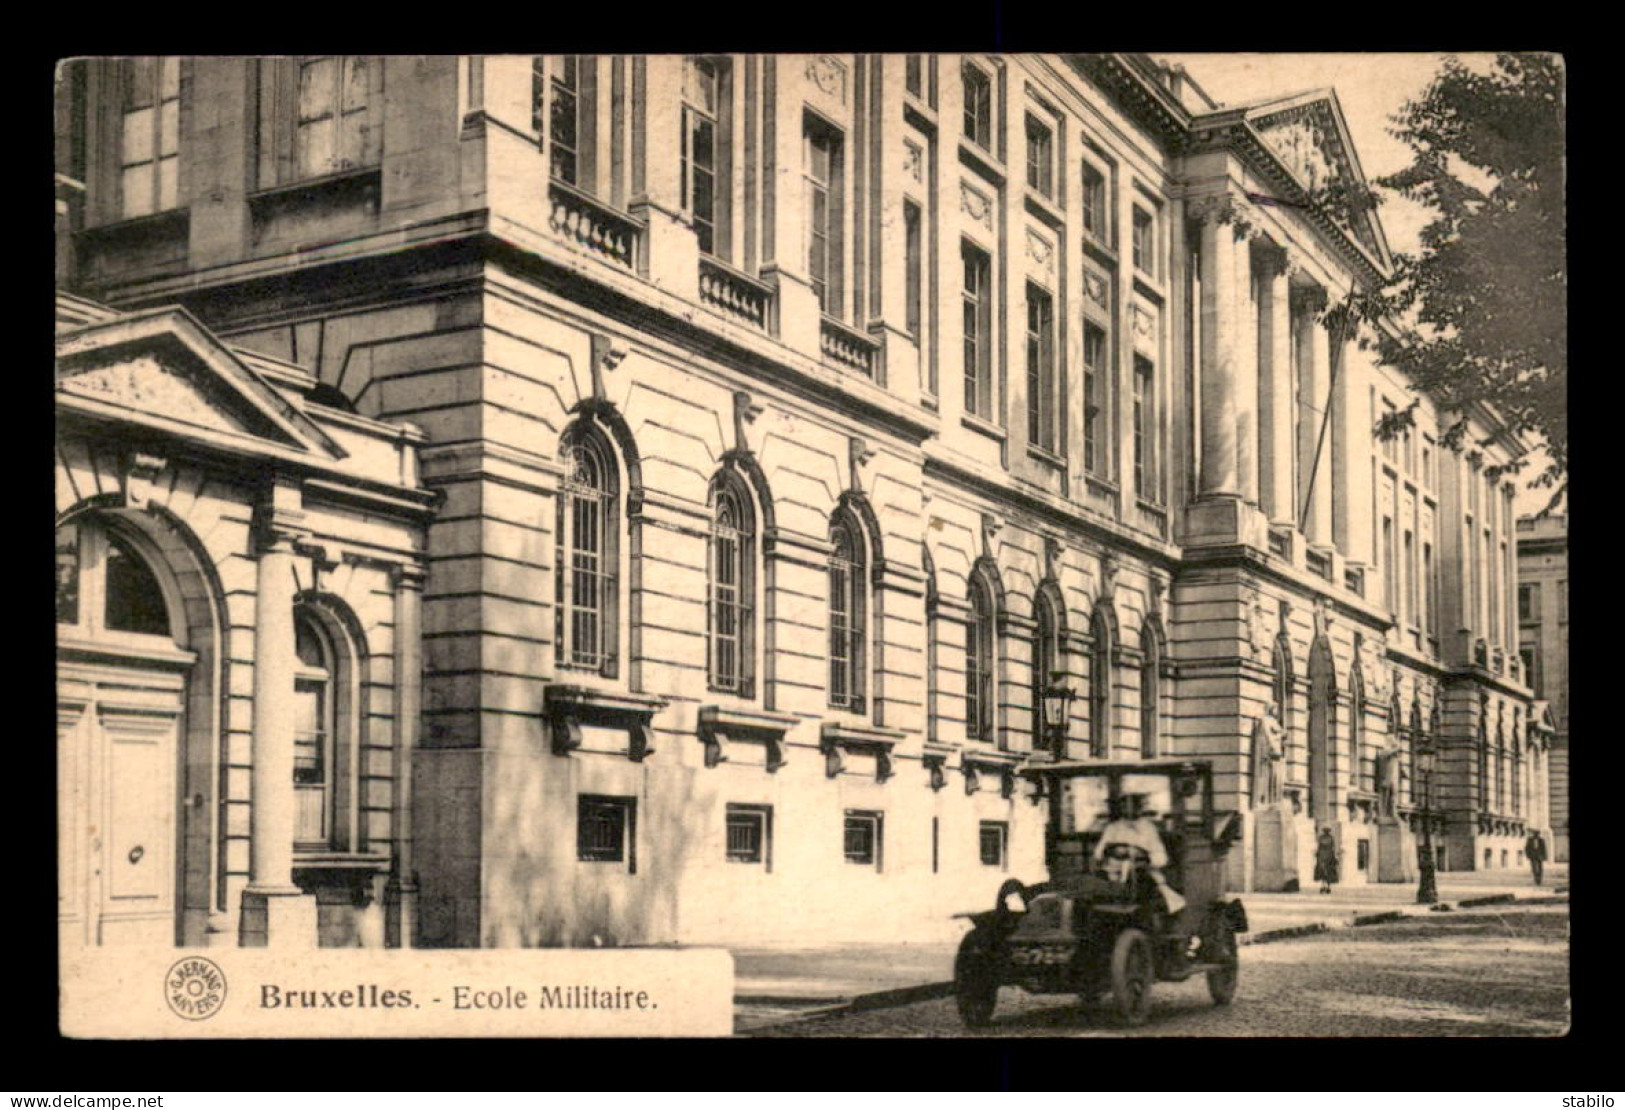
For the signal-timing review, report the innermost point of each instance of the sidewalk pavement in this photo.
(768, 980)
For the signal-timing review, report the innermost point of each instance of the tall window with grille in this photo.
(149, 138)
(732, 580)
(1150, 692)
(1095, 425)
(823, 172)
(847, 598)
(978, 101)
(1043, 415)
(1362, 772)
(913, 274)
(977, 301)
(335, 131)
(587, 567)
(1146, 485)
(1100, 686)
(861, 837)
(979, 644)
(313, 729)
(702, 88)
(1045, 662)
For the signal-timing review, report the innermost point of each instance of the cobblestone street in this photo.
(1481, 972)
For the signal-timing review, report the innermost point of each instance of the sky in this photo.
(1370, 88)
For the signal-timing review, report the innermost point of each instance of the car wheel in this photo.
(1220, 947)
(1132, 976)
(976, 986)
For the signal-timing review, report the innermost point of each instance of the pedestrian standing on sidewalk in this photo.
(1326, 861)
(1534, 849)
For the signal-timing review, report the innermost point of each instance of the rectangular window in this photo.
(564, 144)
(1430, 589)
(1362, 855)
(1390, 446)
(1145, 241)
(936, 856)
(750, 832)
(1095, 205)
(978, 106)
(977, 301)
(1409, 569)
(1427, 462)
(1390, 583)
(606, 830)
(1145, 455)
(1529, 602)
(913, 268)
(862, 838)
(1040, 157)
(333, 132)
(1531, 669)
(699, 148)
(1095, 450)
(1041, 391)
(823, 172)
(992, 841)
(149, 139)
(914, 75)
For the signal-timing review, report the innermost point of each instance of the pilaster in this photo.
(1275, 392)
(401, 892)
(671, 249)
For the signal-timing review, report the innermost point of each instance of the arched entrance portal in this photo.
(1322, 687)
(124, 667)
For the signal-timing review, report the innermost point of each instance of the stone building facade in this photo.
(793, 423)
(1543, 644)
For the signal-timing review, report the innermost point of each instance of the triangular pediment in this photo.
(164, 368)
(1308, 133)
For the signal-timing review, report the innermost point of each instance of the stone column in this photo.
(401, 892)
(1312, 398)
(1218, 387)
(1275, 395)
(1351, 456)
(1247, 360)
(275, 912)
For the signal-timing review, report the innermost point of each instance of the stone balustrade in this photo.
(846, 348)
(590, 224)
(735, 294)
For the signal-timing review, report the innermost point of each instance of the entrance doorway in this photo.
(122, 673)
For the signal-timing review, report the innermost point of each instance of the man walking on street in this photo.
(1534, 849)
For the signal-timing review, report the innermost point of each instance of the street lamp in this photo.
(1057, 701)
(1427, 891)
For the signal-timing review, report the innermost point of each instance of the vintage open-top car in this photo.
(1103, 926)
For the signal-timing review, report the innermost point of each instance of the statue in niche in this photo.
(1269, 749)
(1389, 774)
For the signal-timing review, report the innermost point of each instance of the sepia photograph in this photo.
(812, 545)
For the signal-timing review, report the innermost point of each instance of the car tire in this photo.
(976, 986)
(1220, 947)
(1133, 972)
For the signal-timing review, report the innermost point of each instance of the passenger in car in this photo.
(1132, 837)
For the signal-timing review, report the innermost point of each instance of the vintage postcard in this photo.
(811, 545)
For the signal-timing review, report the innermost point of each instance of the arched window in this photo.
(1100, 685)
(1046, 660)
(1150, 691)
(731, 611)
(847, 598)
(931, 629)
(979, 648)
(587, 579)
(104, 583)
(313, 733)
(1358, 776)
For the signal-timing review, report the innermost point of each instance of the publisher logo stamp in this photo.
(195, 988)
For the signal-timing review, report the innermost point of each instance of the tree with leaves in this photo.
(1484, 305)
